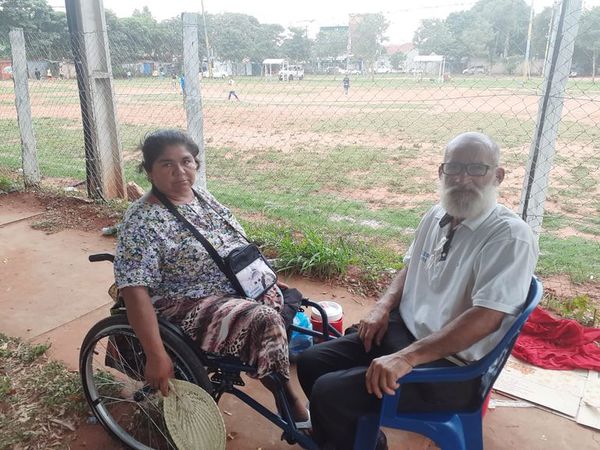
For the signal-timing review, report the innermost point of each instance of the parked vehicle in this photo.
(216, 73)
(349, 71)
(383, 70)
(289, 73)
(474, 70)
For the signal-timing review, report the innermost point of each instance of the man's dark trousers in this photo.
(332, 375)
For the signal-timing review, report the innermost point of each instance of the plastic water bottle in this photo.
(299, 341)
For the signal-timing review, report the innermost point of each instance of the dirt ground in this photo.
(50, 293)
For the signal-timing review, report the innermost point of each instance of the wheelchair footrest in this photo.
(228, 377)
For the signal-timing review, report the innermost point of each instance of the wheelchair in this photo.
(111, 365)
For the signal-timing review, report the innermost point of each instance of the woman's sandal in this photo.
(306, 425)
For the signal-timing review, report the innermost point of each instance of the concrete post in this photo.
(542, 150)
(29, 160)
(193, 99)
(104, 162)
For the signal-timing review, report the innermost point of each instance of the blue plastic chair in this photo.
(452, 430)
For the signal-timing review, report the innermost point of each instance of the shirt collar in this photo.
(471, 224)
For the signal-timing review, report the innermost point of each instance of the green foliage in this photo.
(491, 28)
(581, 308)
(331, 42)
(35, 17)
(511, 63)
(367, 33)
(587, 45)
(397, 59)
(314, 253)
(297, 47)
(574, 256)
(7, 184)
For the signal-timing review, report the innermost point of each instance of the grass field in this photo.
(354, 170)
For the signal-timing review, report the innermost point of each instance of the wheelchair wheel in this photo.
(111, 364)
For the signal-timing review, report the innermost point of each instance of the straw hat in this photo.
(193, 418)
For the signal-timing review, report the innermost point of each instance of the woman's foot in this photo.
(302, 418)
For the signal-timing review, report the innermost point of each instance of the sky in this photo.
(404, 18)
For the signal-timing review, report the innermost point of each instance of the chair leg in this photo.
(366, 432)
(473, 427)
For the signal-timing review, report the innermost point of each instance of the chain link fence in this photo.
(356, 166)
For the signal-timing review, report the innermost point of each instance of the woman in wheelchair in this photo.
(161, 267)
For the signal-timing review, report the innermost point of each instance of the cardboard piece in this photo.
(574, 393)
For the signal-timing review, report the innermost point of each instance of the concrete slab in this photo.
(47, 280)
(66, 339)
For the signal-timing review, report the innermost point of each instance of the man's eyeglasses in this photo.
(474, 170)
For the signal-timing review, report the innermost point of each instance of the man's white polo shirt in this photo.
(490, 263)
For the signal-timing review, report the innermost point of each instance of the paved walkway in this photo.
(50, 292)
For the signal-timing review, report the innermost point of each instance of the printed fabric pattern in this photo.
(155, 250)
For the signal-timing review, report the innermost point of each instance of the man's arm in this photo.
(467, 329)
(374, 326)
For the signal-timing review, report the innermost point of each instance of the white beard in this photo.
(467, 204)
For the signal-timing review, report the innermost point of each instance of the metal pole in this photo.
(193, 99)
(29, 159)
(208, 55)
(526, 71)
(542, 150)
(547, 49)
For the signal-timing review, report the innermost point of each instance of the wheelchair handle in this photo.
(101, 257)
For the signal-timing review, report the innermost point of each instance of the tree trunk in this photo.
(594, 66)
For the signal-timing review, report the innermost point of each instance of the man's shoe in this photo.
(381, 443)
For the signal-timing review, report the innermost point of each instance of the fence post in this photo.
(543, 146)
(29, 160)
(104, 162)
(192, 97)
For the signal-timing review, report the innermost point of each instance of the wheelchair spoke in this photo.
(112, 368)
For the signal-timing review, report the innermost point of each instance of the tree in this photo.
(45, 30)
(509, 20)
(367, 36)
(331, 42)
(540, 33)
(433, 36)
(297, 47)
(587, 44)
(397, 59)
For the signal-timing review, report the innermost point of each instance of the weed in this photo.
(580, 308)
(7, 184)
(36, 391)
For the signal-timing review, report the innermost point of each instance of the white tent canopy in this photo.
(271, 66)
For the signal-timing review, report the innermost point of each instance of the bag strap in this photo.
(235, 230)
(207, 245)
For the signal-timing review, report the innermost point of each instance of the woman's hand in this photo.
(373, 327)
(383, 374)
(282, 285)
(158, 370)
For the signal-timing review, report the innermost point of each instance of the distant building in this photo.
(5, 69)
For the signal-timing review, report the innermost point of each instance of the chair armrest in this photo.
(431, 375)
(443, 374)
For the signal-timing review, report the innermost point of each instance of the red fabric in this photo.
(554, 343)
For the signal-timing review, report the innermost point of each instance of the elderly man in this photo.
(466, 276)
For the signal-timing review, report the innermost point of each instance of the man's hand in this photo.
(373, 327)
(158, 370)
(383, 373)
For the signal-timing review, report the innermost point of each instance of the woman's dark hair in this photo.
(155, 143)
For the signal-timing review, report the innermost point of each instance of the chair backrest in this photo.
(492, 364)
